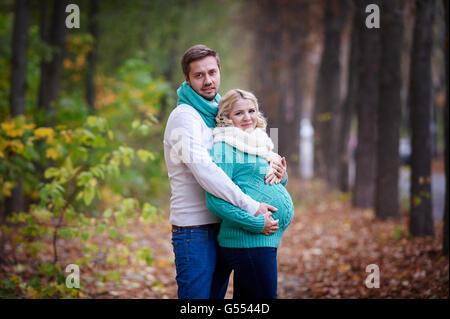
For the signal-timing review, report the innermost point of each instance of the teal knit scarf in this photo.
(206, 109)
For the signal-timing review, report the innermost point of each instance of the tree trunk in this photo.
(19, 57)
(389, 111)
(348, 108)
(288, 120)
(328, 110)
(366, 105)
(266, 34)
(15, 203)
(445, 234)
(43, 20)
(51, 70)
(277, 64)
(92, 55)
(421, 219)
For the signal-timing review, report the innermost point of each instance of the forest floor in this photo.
(324, 254)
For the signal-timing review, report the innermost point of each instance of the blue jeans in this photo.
(195, 252)
(255, 273)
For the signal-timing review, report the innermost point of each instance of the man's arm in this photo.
(259, 224)
(225, 210)
(186, 141)
(223, 155)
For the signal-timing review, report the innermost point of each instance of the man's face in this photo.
(204, 77)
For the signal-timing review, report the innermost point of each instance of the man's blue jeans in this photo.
(196, 252)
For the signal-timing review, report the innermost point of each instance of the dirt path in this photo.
(324, 254)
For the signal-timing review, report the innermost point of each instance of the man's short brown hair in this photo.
(197, 52)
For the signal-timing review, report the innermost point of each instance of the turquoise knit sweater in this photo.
(239, 229)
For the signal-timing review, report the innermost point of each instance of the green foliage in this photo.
(90, 176)
(84, 160)
(135, 96)
(86, 165)
(161, 30)
(7, 288)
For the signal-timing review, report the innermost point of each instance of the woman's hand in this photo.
(272, 178)
(277, 171)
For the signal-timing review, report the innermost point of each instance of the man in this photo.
(187, 143)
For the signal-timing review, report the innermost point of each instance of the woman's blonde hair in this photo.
(227, 102)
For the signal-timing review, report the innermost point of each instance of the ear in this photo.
(187, 79)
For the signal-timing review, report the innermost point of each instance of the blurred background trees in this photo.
(389, 110)
(76, 104)
(421, 220)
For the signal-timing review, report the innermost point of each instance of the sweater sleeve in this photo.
(223, 156)
(187, 147)
(285, 180)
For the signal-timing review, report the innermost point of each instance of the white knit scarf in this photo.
(256, 142)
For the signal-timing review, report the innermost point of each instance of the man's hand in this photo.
(264, 209)
(270, 225)
(278, 172)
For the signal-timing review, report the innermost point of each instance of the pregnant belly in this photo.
(277, 196)
(285, 212)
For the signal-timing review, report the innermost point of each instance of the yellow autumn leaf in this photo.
(14, 132)
(29, 126)
(34, 194)
(2, 155)
(8, 126)
(67, 64)
(15, 145)
(46, 132)
(43, 131)
(80, 61)
(7, 187)
(52, 153)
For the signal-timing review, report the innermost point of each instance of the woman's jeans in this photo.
(196, 252)
(255, 273)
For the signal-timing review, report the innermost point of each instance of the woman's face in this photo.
(244, 115)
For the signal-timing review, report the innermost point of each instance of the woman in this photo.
(244, 151)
